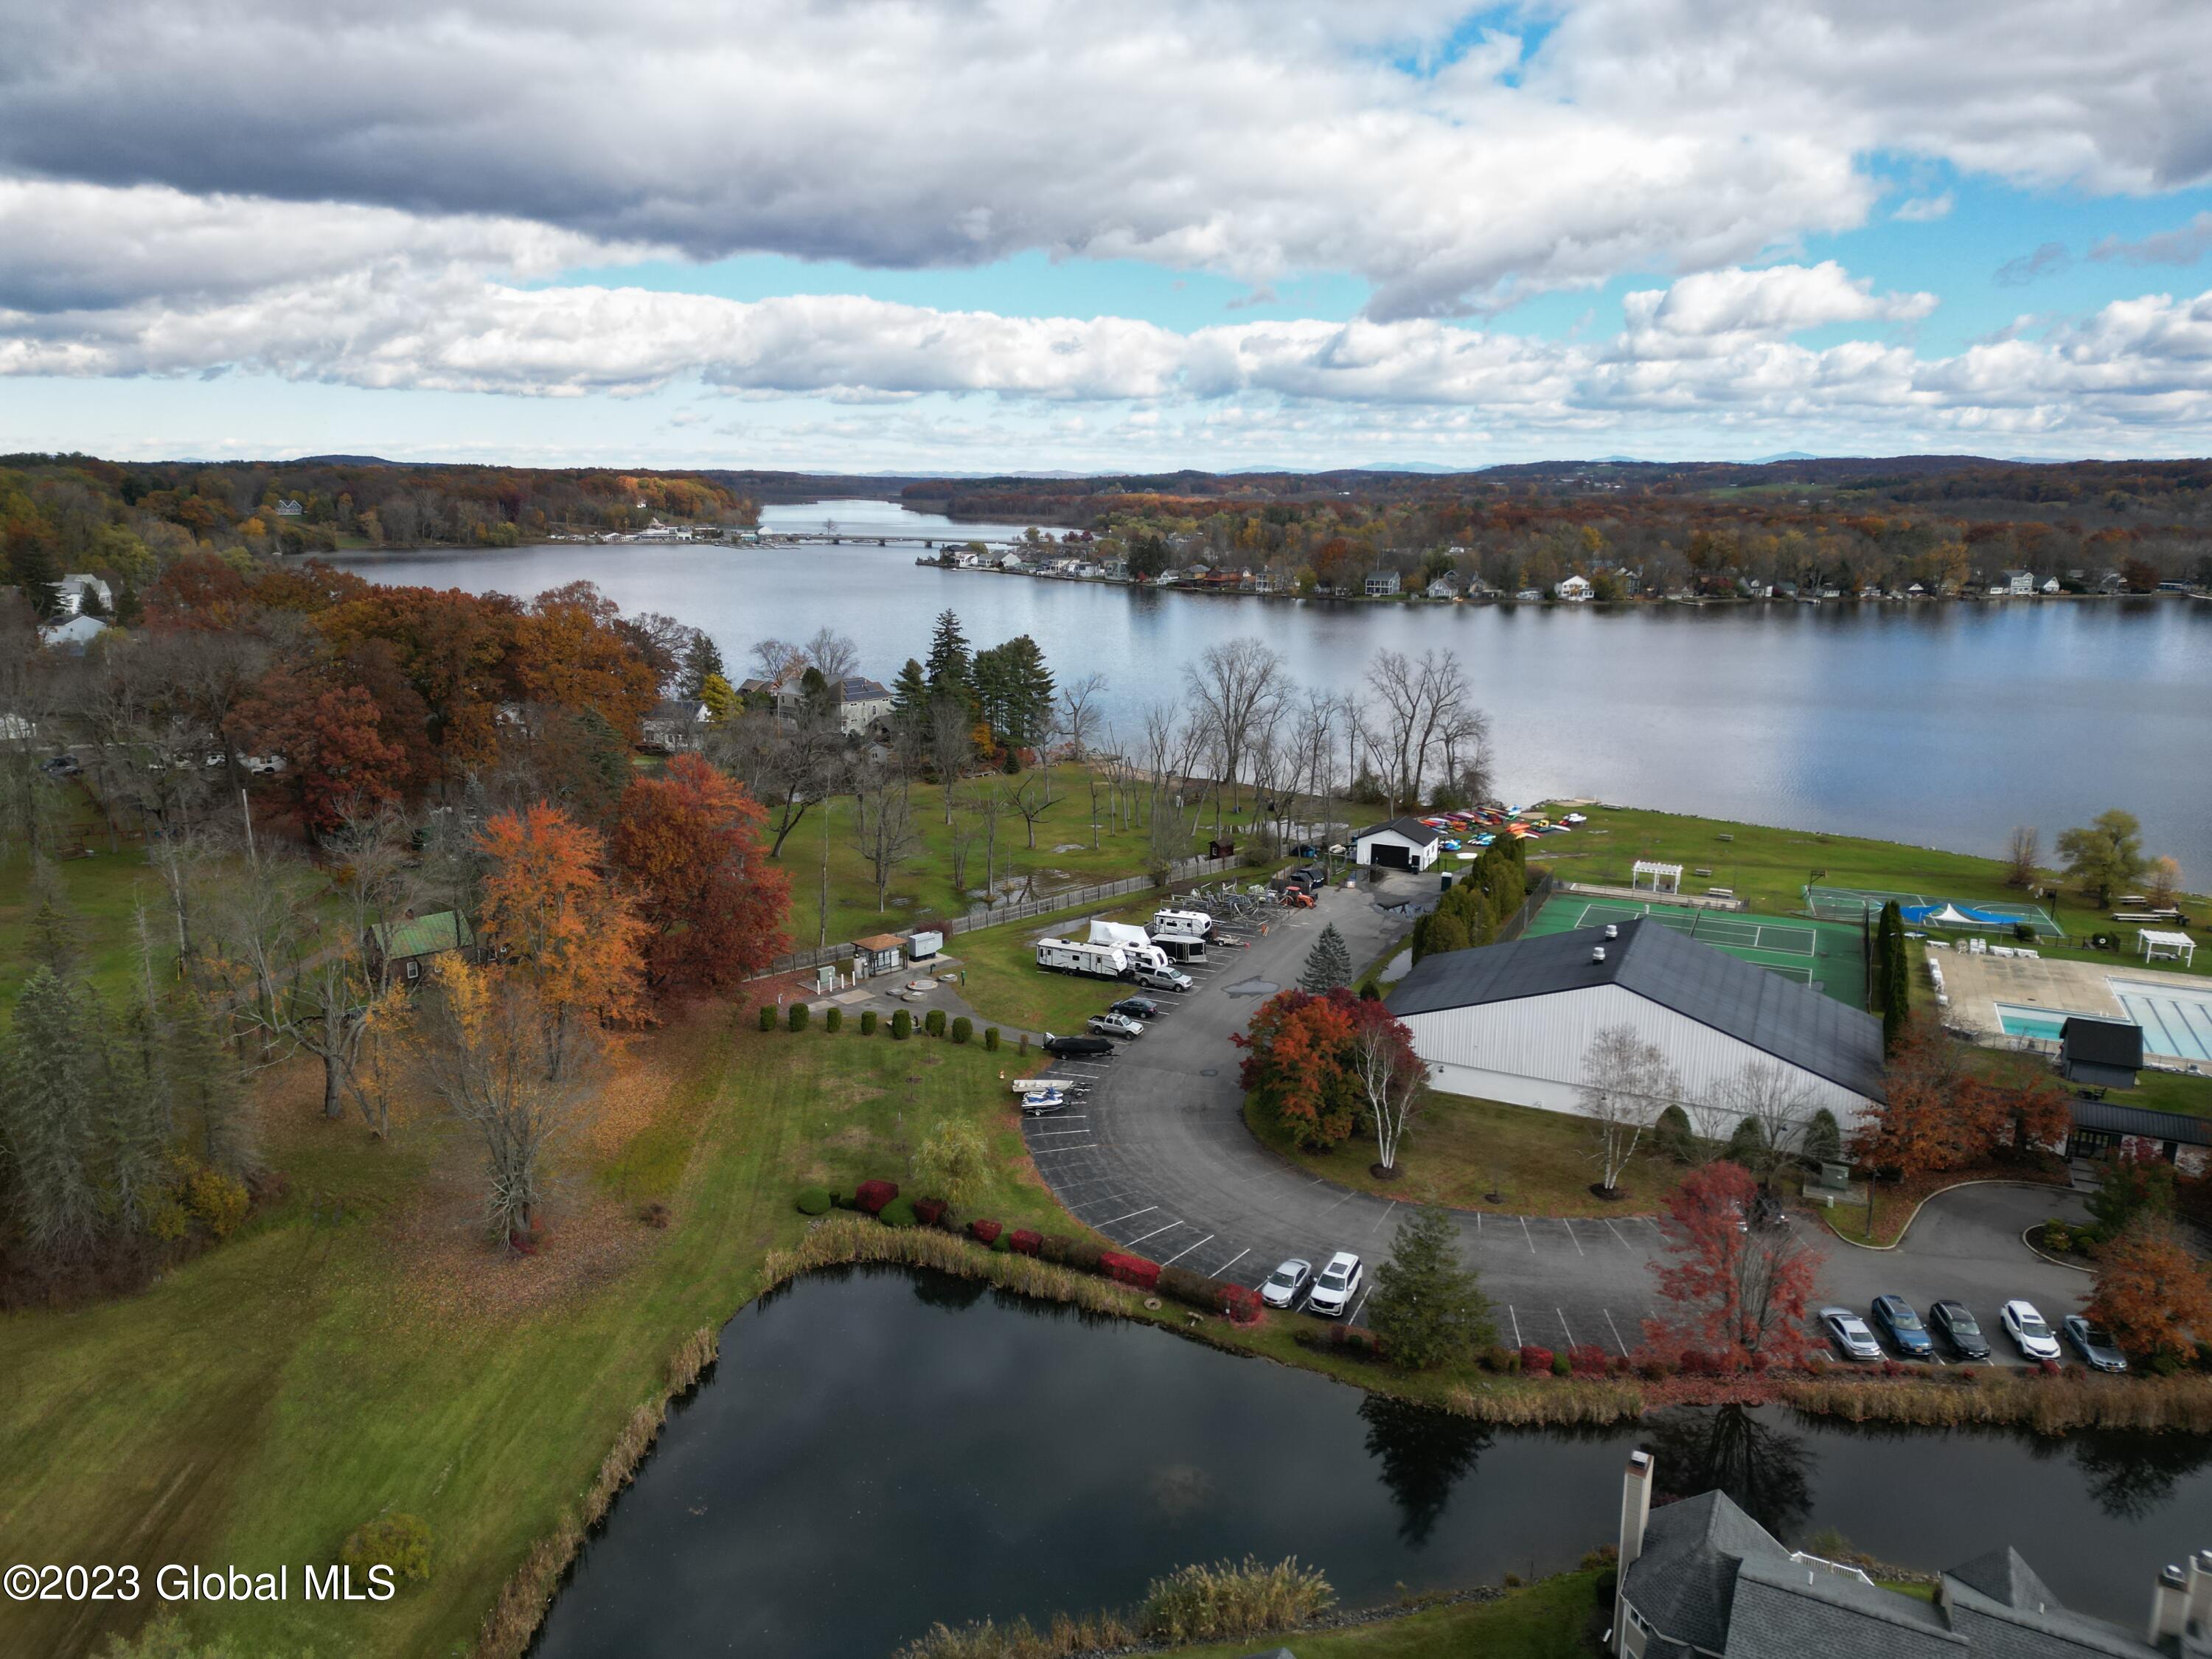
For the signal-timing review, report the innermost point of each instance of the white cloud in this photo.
(1921, 209)
(1251, 137)
(1717, 311)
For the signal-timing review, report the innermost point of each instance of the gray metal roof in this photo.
(2117, 1119)
(1412, 829)
(2102, 1042)
(1792, 1022)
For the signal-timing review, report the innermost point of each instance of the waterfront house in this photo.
(1699, 1577)
(1574, 589)
(2019, 584)
(288, 509)
(1445, 587)
(2051, 585)
(1381, 584)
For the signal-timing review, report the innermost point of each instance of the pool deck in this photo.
(1977, 984)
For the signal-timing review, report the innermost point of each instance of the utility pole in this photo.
(245, 806)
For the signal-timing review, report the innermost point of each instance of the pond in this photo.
(879, 1449)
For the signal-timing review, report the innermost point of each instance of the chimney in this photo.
(1635, 1507)
(2169, 1605)
(2199, 1609)
(1597, 953)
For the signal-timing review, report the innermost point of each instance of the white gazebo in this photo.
(2162, 944)
(1664, 877)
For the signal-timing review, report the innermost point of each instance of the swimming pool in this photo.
(2176, 1022)
(2043, 1022)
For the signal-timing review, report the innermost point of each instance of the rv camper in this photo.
(1071, 956)
(1131, 941)
(1181, 924)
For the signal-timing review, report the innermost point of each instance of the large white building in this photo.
(1513, 1022)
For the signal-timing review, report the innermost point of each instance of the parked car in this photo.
(2029, 1334)
(1288, 1283)
(2097, 1350)
(1310, 876)
(1305, 849)
(1958, 1327)
(1111, 1025)
(1337, 1285)
(62, 765)
(1164, 979)
(1894, 1315)
(1137, 1008)
(1074, 1048)
(1849, 1333)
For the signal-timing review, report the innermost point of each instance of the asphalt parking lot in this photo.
(1155, 1155)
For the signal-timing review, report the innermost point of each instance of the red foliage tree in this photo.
(2152, 1294)
(568, 652)
(1919, 1127)
(336, 764)
(691, 841)
(1303, 1064)
(1737, 1292)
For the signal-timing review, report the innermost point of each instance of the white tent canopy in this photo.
(2161, 945)
(1665, 878)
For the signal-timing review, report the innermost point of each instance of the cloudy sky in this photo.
(1104, 234)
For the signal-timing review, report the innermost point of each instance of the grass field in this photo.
(1547, 1620)
(1008, 988)
(1460, 1150)
(1829, 955)
(359, 1346)
(2159, 1092)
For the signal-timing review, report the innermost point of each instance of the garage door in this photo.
(1389, 854)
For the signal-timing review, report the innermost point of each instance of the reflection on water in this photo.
(877, 1450)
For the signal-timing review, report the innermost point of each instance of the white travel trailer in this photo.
(1131, 941)
(1072, 956)
(1183, 924)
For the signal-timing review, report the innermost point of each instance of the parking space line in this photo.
(1054, 1151)
(1132, 1216)
(1564, 1325)
(1618, 1234)
(1183, 1252)
(1156, 1231)
(1231, 1263)
(1379, 1220)
(1569, 1226)
(1526, 1234)
(1354, 1320)
(1515, 1318)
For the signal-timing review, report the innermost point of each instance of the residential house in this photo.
(1530, 593)
(1575, 589)
(401, 950)
(2016, 583)
(862, 703)
(2051, 585)
(675, 723)
(288, 509)
(73, 635)
(1382, 585)
(2111, 582)
(1699, 1577)
(1445, 587)
(1009, 562)
(70, 592)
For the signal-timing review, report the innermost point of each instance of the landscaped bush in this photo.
(929, 1211)
(1242, 1303)
(2056, 1238)
(934, 1022)
(1027, 1241)
(833, 1020)
(1194, 1289)
(767, 1017)
(867, 1022)
(1561, 1366)
(1534, 1361)
(1199, 1604)
(1497, 1359)
(1655, 1366)
(1673, 1137)
(795, 1016)
(962, 1029)
(814, 1201)
(1084, 1255)
(901, 1025)
(1130, 1269)
(991, 1039)
(1004, 1243)
(1588, 1360)
(873, 1195)
(899, 1212)
(844, 1201)
(984, 1231)
(401, 1542)
(1024, 1049)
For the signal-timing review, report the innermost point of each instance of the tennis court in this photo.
(1830, 957)
(1980, 915)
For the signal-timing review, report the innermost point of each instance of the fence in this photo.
(1511, 928)
(1044, 904)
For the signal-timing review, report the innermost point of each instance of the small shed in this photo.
(1401, 844)
(878, 953)
(400, 950)
(2105, 1128)
(2103, 1053)
(1659, 878)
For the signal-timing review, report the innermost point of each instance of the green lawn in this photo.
(358, 1346)
(1547, 1620)
(1461, 1150)
(1006, 987)
(2160, 1092)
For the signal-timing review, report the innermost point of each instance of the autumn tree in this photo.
(1626, 1083)
(338, 764)
(567, 652)
(2151, 1293)
(691, 844)
(1302, 1061)
(2105, 856)
(550, 913)
(1916, 1129)
(1735, 1291)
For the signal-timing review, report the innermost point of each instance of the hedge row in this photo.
(961, 1029)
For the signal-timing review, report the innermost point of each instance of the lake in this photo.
(1941, 724)
(878, 1449)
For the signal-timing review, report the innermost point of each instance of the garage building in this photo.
(1401, 844)
(1513, 1022)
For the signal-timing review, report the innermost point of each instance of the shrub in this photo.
(767, 1017)
(795, 1016)
(217, 1201)
(873, 1195)
(1561, 1367)
(1026, 1242)
(929, 1211)
(1241, 1304)
(2047, 1367)
(985, 1232)
(901, 1025)
(1535, 1360)
(991, 1039)
(1495, 1359)
(1655, 1366)
(1209, 1603)
(401, 1542)
(934, 1022)
(814, 1201)
(1084, 1256)
(899, 1212)
(1130, 1269)
(844, 1201)
(1024, 1049)
(867, 1022)
(1823, 1139)
(1587, 1360)
(1193, 1290)
(1673, 1136)
(833, 1020)
(962, 1029)
(1003, 1244)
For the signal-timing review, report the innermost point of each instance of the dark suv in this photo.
(1894, 1318)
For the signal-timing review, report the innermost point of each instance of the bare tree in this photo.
(776, 657)
(789, 766)
(1626, 1084)
(1235, 688)
(951, 742)
(1392, 1078)
(1031, 807)
(1782, 1105)
(990, 804)
(2023, 853)
(1172, 745)
(883, 828)
(1078, 714)
(836, 655)
(325, 1006)
(1422, 700)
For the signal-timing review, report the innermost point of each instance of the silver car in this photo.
(1287, 1284)
(1849, 1333)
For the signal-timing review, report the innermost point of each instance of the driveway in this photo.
(1156, 1156)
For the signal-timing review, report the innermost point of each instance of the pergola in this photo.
(2162, 944)
(1665, 878)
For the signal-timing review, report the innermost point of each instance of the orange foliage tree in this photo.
(568, 652)
(1937, 1118)
(1740, 1294)
(692, 842)
(2152, 1294)
(336, 764)
(1303, 1061)
(551, 913)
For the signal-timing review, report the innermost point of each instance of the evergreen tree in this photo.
(32, 562)
(1029, 693)
(910, 705)
(1328, 964)
(1823, 1138)
(950, 662)
(209, 1105)
(1893, 985)
(47, 1119)
(702, 661)
(1747, 1145)
(1428, 1309)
